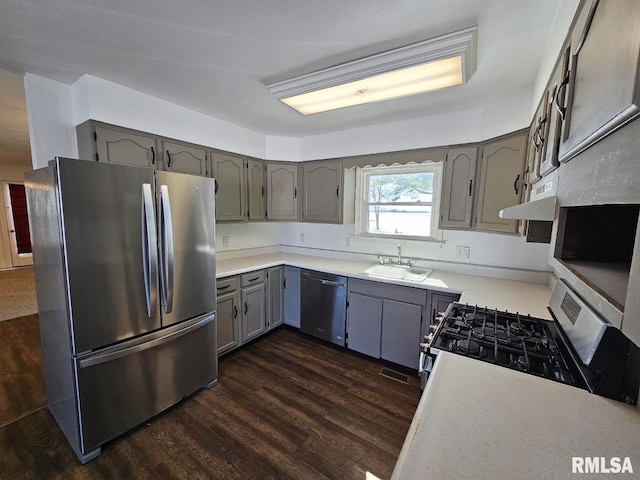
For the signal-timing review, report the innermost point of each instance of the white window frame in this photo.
(362, 199)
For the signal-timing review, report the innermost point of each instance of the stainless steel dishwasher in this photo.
(323, 309)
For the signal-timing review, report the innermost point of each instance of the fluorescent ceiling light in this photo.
(434, 64)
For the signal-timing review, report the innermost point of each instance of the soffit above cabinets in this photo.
(217, 57)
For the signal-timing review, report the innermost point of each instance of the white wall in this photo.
(248, 235)
(490, 118)
(50, 114)
(98, 99)
(485, 248)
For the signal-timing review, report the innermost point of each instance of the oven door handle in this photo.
(421, 362)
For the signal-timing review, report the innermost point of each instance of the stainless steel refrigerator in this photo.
(125, 278)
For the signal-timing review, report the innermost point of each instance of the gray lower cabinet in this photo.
(253, 305)
(183, 158)
(227, 314)
(603, 91)
(292, 296)
(282, 191)
(458, 188)
(501, 182)
(229, 172)
(401, 326)
(125, 147)
(364, 324)
(385, 320)
(275, 297)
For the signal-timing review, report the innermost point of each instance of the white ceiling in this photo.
(216, 56)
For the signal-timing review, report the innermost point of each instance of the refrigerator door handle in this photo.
(149, 251)
(166, 240)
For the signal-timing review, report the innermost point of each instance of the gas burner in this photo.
(520, 330)
(473, 319)
(521, 363)
(467, 346)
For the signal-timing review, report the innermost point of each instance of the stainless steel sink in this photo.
(400, 272)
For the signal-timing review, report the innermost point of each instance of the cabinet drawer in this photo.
(226, 285)
(385, 290)
(252, 278)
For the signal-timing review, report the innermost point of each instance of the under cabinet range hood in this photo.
(542, 205)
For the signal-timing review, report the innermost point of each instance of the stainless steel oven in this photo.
(578, 348)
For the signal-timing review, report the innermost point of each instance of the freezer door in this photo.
(187, 251)
(105, 231)
(122, 386)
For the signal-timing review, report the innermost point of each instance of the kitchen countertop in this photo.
(512, 295)
(476, 420)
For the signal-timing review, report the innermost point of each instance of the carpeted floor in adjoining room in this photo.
(17, 293)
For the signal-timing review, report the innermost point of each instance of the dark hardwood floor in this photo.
(285, 407)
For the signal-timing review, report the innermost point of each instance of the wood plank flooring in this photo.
(285, 407)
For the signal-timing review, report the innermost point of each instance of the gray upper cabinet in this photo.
(182, 158)
(603, 89)
(256, 189)
(229, 172)
(282, 191)
(126, 148)
(458, 188)
(534, 147)
(500, 184)
(322, 191)
(549, 160)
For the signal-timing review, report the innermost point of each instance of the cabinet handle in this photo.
(338, 191)
(470, 186)
(216, 186)
(224, 288)
(153, 156)
(262, 188)
(561, 110)
(168, 159)
(284, 283)
(246, 308)
(515, 183)
(235, 311)
(295, 192)
(253, 279)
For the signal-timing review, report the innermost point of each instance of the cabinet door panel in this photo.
(603, 92)
(126, 148)
(275, 299)
(401, 324)
(364, 324)
(257, 190)
(292, 296)
(253, 312)
(457, 193)
(282, 192)
(184, 159)
(228, 322)
(229, 172)
(322, 189)
(500, 183)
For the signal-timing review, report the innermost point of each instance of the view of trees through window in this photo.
(400, 204)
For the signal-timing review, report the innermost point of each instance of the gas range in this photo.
(578, 348)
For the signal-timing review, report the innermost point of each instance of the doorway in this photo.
(18, 222)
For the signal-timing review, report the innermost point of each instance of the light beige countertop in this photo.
(512, 295)
(481, 421)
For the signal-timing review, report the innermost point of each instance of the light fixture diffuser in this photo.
(434, 64)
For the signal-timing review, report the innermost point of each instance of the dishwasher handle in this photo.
(327, 282)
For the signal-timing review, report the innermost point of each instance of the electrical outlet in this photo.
(302, 236)
(225, 241)
(462, 251)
